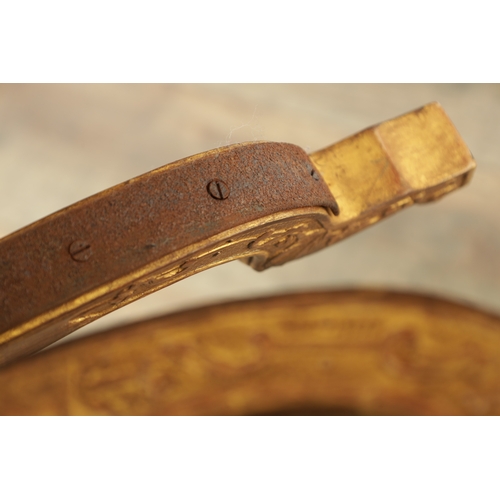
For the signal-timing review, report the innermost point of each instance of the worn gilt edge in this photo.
(272, 240)
(262, 243)
(340, 231)
(344, 163)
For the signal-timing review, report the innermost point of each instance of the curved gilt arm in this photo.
(265, 203)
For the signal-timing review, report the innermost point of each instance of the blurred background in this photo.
(62, 143)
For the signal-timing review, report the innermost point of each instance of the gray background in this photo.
(61, 143)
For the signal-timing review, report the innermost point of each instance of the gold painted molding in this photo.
(358, 352)
(264, 203)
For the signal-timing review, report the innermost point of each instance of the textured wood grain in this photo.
(353, 352)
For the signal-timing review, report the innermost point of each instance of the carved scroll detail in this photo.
(266, 242)
(261, 244)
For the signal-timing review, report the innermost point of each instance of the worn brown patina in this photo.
(264, 203)
(124, 229)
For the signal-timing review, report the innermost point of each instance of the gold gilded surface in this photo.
(418, 157)
(352, 352)
(263, 243)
